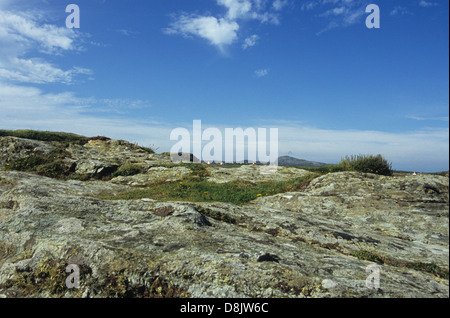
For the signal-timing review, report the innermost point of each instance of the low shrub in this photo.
(367, 164)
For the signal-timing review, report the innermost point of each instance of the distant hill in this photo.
(291, 161)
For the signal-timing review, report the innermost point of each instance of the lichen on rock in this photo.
(312, 242)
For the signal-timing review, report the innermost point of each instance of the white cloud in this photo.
(219, 32)
(30, 108)
(309, 6)
(339, 13)
(127, 32)
(278, 5)
(262, 72)
(427, 4)
(222, 31)
(334, 11)
(424, 149)
(37, 71)
(22, 35)
(423, 118)
(399, 10)
(236, 8)
(250, 41)
(421, 150)
(26, 31)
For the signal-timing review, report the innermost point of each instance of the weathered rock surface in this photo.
(12, 148)
(314, 243)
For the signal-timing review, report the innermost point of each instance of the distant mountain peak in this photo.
(291, 161)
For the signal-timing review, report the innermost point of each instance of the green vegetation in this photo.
(45, 136)
(118, 286)
(442, 173)
(49, 276)
(367, 164)
(360, 163)
(198, 171)
(128, 169)
(50, 165)
(422, 267)
(196, 190)
(429, 268)
(369, 256)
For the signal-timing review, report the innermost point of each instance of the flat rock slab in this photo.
(299, 244)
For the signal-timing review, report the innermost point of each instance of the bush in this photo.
(367, 164)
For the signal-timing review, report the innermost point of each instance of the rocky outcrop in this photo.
(13, 148)
(321, 242)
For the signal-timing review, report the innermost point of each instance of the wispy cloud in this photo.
(88, 116)
(423, 118)
(338, 13)
(425, 148)
(422, 149)
(399, 11)
(37, 71)
(250, 41)
(278, 5)
(427, 4)
(222, 30)
(127, 32)
(21, 36)
(219, 32)
(262, 73)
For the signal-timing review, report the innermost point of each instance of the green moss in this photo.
(118, 286)
(429, 268)
(418, 266)
(48, 276)
(128, 170)
(368, 256)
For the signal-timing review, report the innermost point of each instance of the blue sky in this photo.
(138, 69)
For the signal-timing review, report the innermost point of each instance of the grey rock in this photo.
(314, 243)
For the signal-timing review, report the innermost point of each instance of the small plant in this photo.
(367, 164)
